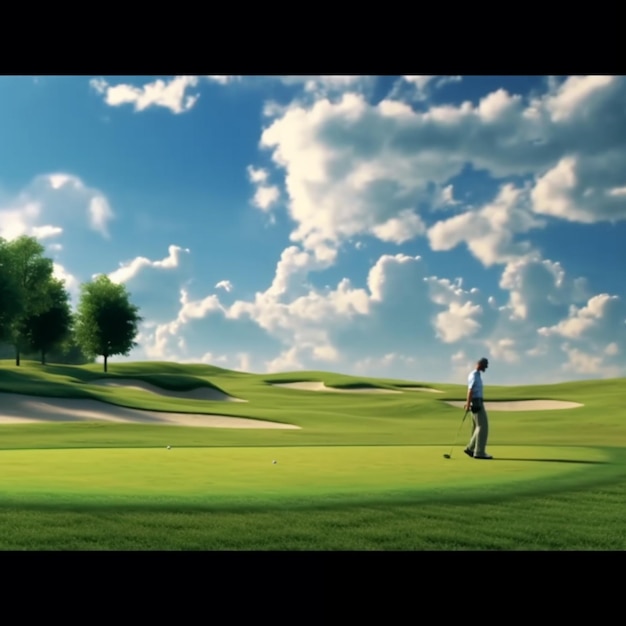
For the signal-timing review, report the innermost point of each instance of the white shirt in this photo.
(475, 383)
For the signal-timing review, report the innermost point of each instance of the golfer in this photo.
(476, 448)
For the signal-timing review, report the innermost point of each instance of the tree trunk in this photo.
(105, 362)
(17, 357)
(43, 357)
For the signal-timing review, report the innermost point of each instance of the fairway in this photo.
(228, 477)
(194, 457)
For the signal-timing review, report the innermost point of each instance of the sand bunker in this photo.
(318, 386)
(524, 405)
(421, 389)
(200, 393)
(22, 409)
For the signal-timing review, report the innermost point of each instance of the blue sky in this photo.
(394, 226)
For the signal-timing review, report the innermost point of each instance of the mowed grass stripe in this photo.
(577, 520)
(301, 476)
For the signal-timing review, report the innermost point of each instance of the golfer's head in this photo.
(482, 364)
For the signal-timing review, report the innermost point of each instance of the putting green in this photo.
(248, 476)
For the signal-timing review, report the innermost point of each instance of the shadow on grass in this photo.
(501, 458)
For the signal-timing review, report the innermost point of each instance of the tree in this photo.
(32, 272)
(107, 323)
(50, 329)
(10, 303)
(69, 353)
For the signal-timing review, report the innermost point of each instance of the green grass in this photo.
(364, 472)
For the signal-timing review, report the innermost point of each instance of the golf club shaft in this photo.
(458, 432)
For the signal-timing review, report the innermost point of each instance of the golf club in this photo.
(449, 456)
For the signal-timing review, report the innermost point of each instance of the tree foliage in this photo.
(106, 322)
(49, 329)
(10, 303)
(31, 274)
(36, 317)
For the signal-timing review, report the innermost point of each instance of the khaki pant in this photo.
(480, 432)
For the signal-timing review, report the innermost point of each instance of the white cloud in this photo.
(583, 189)
(72, 284)
(130, 269)
(45, 232)
(155, 286)
(419, 81)
(322, 85)
(504, 350)
(603, 318)
(52, 205)
(257, 175)
(224, 284)
(457, 323)
(265, 196)
(433, 331)
(444, 197)
(100, 214)
(490, 231)
(580, 362)
(400, 229)
(293, 267)
(577, 96)
(350, 166)
(16, 221)
(170, 94)
(286, 361)
(224, 79)
(419, 87)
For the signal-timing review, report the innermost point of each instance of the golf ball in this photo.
(169, 447)
(274, 462)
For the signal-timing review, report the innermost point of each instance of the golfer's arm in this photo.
(469, 396)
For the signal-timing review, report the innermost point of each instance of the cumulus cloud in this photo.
(328, 85)
(582, 189)
(19, 219)
(265, 196)
(170, 94)
(286, 361)
(224, 284)
(419, 88)
(351, 166)
(489, 232)
(577, 97)
(52, 204)
(400, 229)
(45, 232)
(539, 289)
(403, 320)
(588, 364)
(72, 284)
(602, 319)
(457, 322)
(100, 214)
(224, 79)
(130, 269)
(155, 285)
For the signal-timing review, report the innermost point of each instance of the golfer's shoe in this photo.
(483, 456)
(469, 452)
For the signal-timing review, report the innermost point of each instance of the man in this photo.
(476, 448)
